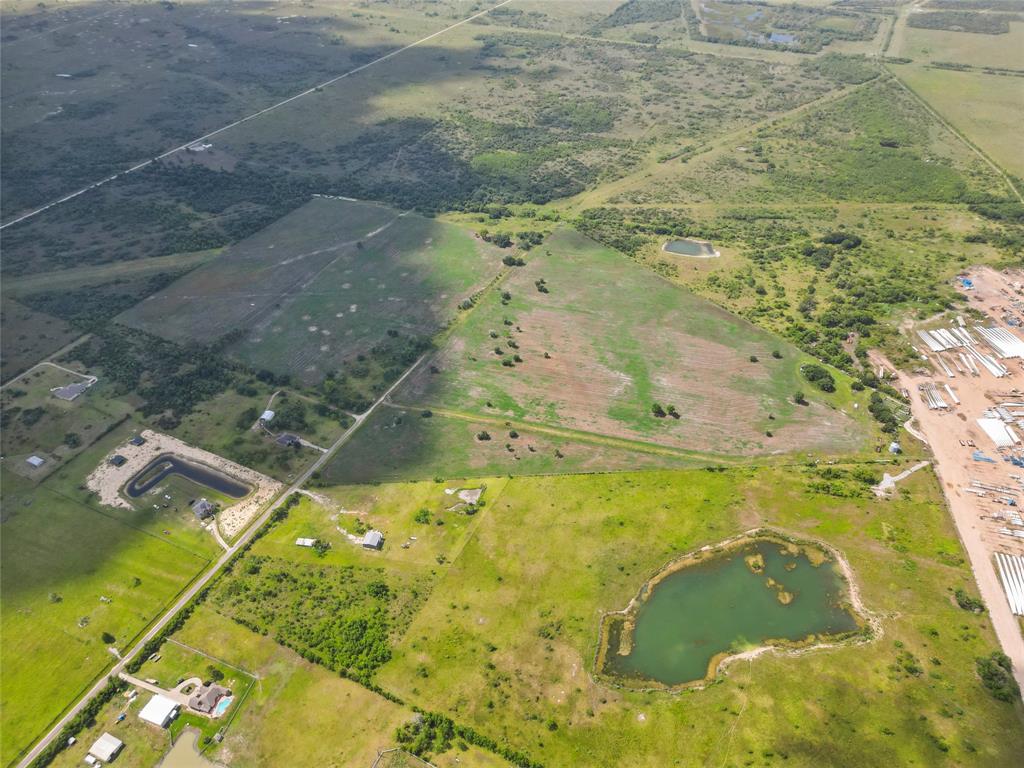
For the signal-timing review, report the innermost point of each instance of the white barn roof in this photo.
(267, 415)
(106, 747)
(304, 542)
(159, 710)
(373, 539)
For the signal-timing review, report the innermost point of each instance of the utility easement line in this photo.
(253, 116)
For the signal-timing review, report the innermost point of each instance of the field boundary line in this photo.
(956, 132)
(314, 89)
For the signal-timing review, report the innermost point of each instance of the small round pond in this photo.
(700, 249)
(750, 593)
(168, 464)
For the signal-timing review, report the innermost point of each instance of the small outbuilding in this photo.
(267, 416)
(159, 710)
(138, 440)
(288, 441)
(305, 542)
(203, 509)
(373, 540)
(106, 748)
(117, 460)
(35, 461)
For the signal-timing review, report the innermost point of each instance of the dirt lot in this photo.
(107, 480)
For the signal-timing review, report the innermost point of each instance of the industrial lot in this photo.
(968, 399)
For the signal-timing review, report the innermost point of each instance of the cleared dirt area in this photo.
(601, 340)
(107, 480)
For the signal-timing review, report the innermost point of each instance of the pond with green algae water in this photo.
(687, 247)
(762, 593)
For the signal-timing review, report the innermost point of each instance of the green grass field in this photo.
(926, 45)
(607, 341)
(322, 286)
(70, 574)
(986, 108)
(509, 637)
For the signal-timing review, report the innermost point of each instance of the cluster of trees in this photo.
(172, 379)
(90, 308)
(996, 673)
(430, 733)
(661, 412)
(641, 11)
(341, 618)
(819, 376)
(965, 21)
(884, 412)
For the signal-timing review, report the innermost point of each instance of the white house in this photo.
(267, 417)
(373, 540)
(35, 461)
(304, 542)
(159, 710)
(106, 747)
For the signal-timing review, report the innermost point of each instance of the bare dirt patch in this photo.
(107, 480)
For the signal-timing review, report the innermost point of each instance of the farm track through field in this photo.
(247, 118)
(570, 434)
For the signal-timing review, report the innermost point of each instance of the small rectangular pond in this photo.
(168, 464)
(700, 249)
(758, 593)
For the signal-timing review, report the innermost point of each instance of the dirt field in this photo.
(107, 480)
(608, 340)
(952, 435)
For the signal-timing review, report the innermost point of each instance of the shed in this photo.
(106, 747)
(267, 416)
(35, 461)
(304, 542)
(203, 508)
(118, 460)
(288, 441)
(138, 440)
(159, 710)
(373, 540)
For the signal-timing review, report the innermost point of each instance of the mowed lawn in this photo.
(506, 643)
(323, 285)
(71, 573)
(987, 109)
(607, 340)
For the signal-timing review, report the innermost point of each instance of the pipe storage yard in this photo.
(999, 340)
(1005, 344)
(1011, 572)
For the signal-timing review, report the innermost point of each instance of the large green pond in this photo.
(762, 593)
